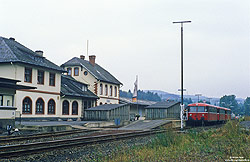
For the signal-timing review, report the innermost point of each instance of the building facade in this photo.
(33, 69)
(100, 81)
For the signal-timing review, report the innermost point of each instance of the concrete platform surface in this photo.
(145, 124)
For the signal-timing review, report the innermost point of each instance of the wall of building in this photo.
(94, 86)
(7, 116)
(44, 91)
(21, 95)
(172, 112)
(121, 113)
(71, 100)
(107, 98)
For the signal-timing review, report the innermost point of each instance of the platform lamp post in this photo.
(182, 105)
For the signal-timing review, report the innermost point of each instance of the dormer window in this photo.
(84, 88)
(69, 71)
(28, 75)
(76, 71)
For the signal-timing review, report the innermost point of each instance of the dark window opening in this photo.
(40, 106)
(65, 110)
(74, 108)
(40, 77)
(51, 106)
(28, 75)
(52, 79)
(76, 71)
(69, 71)
(27, 106)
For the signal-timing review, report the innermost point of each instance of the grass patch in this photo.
(212, 145)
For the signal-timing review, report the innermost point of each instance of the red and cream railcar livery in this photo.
(202, 113)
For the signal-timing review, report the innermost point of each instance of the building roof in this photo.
(71, 87)
(12, 51)
(163, 105)
(140, 102)
(105, 107)
(11, 84)
(97, 71)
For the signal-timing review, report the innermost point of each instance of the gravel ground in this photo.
(84, 153)
(245, 124)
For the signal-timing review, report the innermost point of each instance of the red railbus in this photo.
(202, 113)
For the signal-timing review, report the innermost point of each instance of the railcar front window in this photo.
(192, 109)
(201, 109)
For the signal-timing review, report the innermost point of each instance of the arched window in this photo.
(106, 90)
(65, 109)
(27, 106)
(101, 89)
(74, 108)
(51, 107)
(111, 91)
(39, 106)
(115, 91)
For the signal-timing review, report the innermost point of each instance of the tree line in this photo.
(237, 108)
(141, 95)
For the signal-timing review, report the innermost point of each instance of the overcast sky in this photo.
(137, 37)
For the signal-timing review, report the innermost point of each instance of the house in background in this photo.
(75, 98)
(100, 81)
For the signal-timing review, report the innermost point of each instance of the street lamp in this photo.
(182, 105)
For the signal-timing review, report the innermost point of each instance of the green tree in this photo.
(247, 106)
(230, 102)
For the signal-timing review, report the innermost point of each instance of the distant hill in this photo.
(164, 95)
(171, 96)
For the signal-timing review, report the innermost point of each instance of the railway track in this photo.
(4, 139)
(38, 147)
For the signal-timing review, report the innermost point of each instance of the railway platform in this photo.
(145, 124)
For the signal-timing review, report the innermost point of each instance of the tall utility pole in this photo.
(198, 96)
(182, 105)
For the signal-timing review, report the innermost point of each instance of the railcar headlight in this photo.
(190, 114)
(202, 114)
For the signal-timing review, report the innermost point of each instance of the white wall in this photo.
(70, 100)
(7, 114)
(92, 81)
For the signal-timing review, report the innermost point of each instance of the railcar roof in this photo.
(205, 104)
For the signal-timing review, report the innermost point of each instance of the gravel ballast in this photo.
(84, 153)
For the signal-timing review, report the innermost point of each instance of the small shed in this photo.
(108, 112)
(163, 110)
(136, 107)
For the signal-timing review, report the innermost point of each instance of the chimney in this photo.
(82, 57)
(11, 38)
(92, 59)
(39, 52)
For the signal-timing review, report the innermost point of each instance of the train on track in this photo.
(206, 114)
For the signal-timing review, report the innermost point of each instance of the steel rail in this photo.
(23, 149)
(41, 135)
